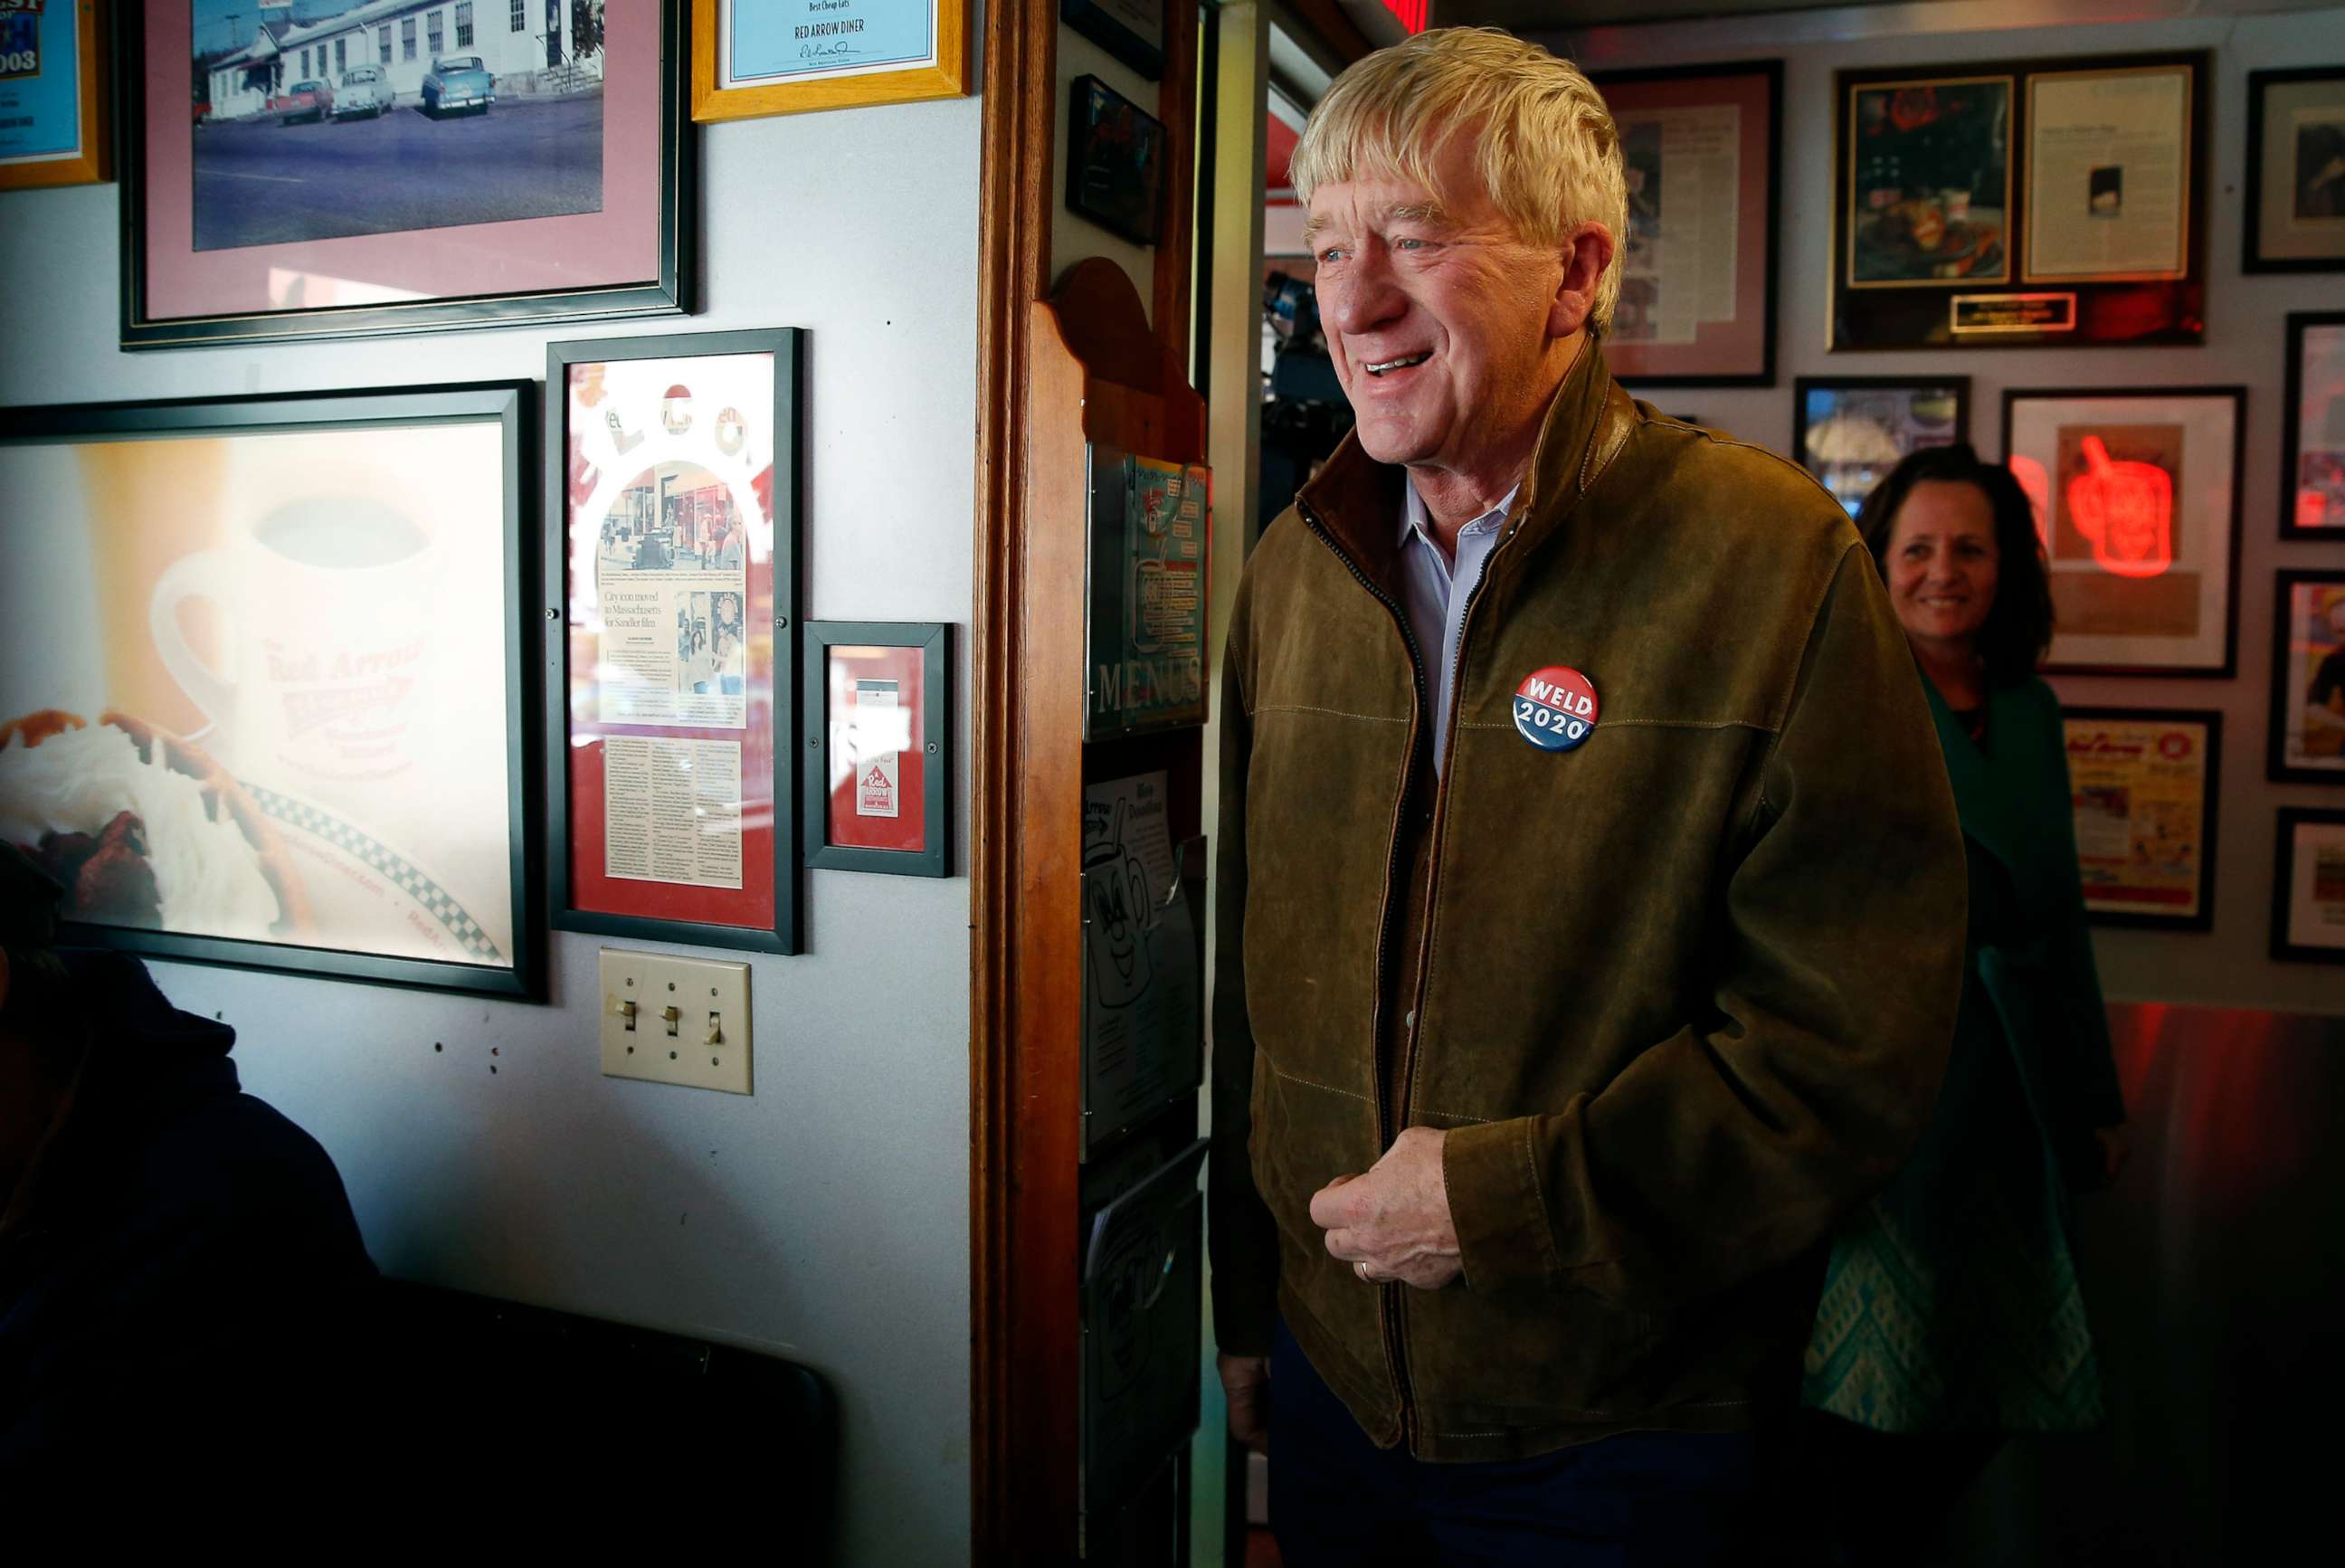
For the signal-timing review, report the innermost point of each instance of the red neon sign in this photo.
(1412, 14)
(2125, 510)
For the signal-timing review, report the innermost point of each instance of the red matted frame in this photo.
(870, 821)
(1739, 351)
(693, 424)
(632, 256)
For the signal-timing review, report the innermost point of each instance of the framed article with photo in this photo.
(1851, 430)
(2143, 783)
(751, 58)
(2312, 433)
(671, 614)
(265, 685)
(877, 755)
(56, 127)
(399, 168)
(1703, 147)
(2307, 697)
(2309, 886)
(2136, 498)
(2296, 171)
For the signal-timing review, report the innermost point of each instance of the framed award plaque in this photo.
(671, 598)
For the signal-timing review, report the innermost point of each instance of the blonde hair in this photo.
(1545, 145)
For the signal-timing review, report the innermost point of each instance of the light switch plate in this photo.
(707, 997)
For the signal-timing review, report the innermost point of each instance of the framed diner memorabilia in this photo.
(2021, 202)
(671, 612)
(751, 58)
(264, 680)
(2312, 433)
(1851, 430)
(2143, 782)
(2309, 886)
(1131, 30)
(2296, 171)
(877, 753)
(2307, 743)
(1147, 560)
(2136, 498)
(399, 168)
(1703, 148)
(1115, 162)
(55, 128)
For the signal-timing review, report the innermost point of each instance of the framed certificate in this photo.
(2296, 171)
(53, 125)
(265, 677)
(878, 747)
(1703, 148)
(2142, 782)
(751, 58)
(2308, 695)
(2309, 886)
(671, 600)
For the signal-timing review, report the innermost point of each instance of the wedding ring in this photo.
(1361, 1268)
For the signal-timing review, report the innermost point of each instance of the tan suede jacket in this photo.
(1680, 996)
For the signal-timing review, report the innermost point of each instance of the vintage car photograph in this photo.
(312, 101)
(363, 92)
(461, 82)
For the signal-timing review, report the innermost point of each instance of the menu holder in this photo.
(1142, 1312)
(1143, 988)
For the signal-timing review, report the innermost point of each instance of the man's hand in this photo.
(1246, 1381)
(1393, 1223)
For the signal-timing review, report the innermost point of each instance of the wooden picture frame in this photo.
(2294, 207)
(671, 596)
(841, 775)
(1870, 423)
(2312, 429)
(2289, 920)
(2305, 740)
(2129, 770)
(2141, 549)
(207, 261)
(291, 631)
(898, 70)
(48, 143)
(1695, 117)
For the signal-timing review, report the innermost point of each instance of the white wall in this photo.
(826, 1217)
(2229, 965)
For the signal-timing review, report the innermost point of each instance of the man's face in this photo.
(1438, 316)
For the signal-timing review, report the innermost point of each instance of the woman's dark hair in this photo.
(2019, 623)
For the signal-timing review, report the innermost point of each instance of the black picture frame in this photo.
(672, 290)
(934, 641)
(2015, 310)
(1111, 32)
(786, 345)
(2209, 819)
(2300, 322)
(512, 405)
(2292, 818)
(2253, 257)
(1959, 387)
(1103, 188)
(2276, 766)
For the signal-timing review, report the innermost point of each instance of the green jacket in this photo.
(1680, 996)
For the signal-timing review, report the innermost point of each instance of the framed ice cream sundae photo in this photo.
(263, 687)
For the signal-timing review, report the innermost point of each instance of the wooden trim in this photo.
(1176, 106)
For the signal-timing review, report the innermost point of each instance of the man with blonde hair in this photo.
(1591, 899)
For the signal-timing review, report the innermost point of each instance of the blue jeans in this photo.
(1673, 1499)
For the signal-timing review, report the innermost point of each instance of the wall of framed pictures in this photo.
(637, 1202)
(2239, 420)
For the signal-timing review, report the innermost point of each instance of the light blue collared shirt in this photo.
(1434, 591)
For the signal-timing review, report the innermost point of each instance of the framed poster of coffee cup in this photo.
(265, 685)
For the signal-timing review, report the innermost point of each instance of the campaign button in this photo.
(1555, 709)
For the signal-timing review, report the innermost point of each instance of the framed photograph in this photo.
(751, 58)
(1851, 430)
(55, 128)
(2309, 886)
(2021, 202)
(266, 687)
(1115, 162)
(878, 747)
(2296, 171)
(671, 609)
(2307, 698)
(2312, 440)
(2136, 497)
(2142, 782)
(1704, 152)
(398, 167)
(1131, 30)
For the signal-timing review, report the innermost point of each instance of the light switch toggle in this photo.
(716, 1029)
(626, 1010)
(673, 1015)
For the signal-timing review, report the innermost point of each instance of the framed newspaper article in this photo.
(671, 613)
(2143, 782)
